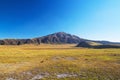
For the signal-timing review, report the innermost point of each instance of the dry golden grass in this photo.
(26, 61)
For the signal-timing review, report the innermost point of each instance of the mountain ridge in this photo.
(55, 38)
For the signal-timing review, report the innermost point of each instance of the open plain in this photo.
(58, 62)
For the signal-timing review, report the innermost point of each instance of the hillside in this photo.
(60, 37)
(55, 38)
(89, 44)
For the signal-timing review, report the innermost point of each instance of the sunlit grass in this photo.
(87, 64)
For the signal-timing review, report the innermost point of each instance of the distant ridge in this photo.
(88, 44)
(55, 38)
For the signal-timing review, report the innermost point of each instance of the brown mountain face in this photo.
(16, 41)
(60, 37)
(56, 38)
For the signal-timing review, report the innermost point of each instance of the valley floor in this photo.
(58, 62)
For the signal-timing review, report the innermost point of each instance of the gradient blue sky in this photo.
(91, 19)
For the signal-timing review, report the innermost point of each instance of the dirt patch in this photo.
(64, 58)
(56, 58)
(10, 79)
(27, 73)
(70, 58)
(40, 76)
(66, 75)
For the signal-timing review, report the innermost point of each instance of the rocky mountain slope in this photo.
(55, 38)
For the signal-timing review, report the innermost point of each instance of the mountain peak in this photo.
(60, 37)
(62, 33)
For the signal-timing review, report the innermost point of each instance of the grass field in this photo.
(58, 62)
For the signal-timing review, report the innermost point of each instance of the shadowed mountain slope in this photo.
(55, 38)
(60, 37)
(89, 44)
(18, 41)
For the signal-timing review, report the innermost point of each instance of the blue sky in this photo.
(91, 19)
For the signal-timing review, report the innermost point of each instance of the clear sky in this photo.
(91, 19)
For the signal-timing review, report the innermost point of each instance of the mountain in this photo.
(55, 38)
(60, 37)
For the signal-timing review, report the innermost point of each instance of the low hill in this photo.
(89, 44)
(18, 41)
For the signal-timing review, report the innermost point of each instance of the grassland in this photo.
(58, 62)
